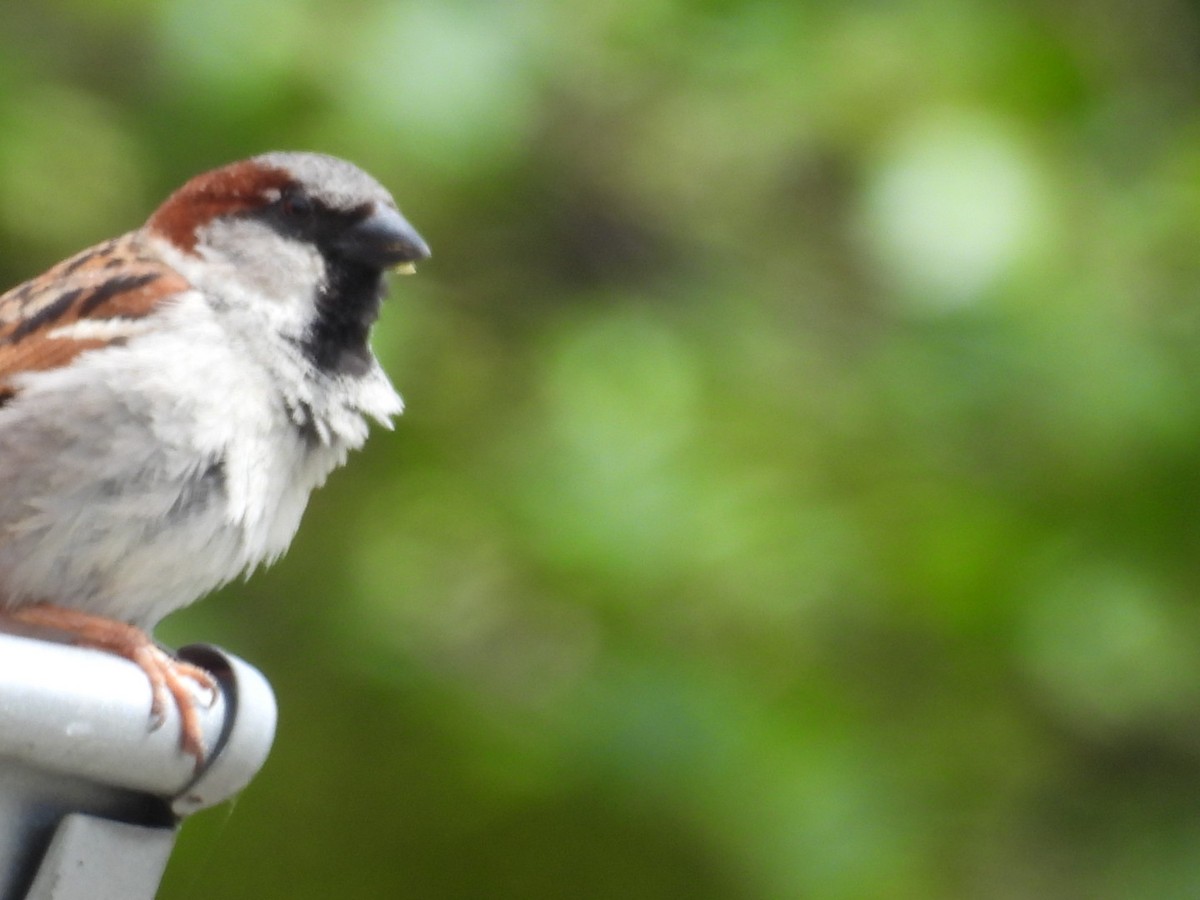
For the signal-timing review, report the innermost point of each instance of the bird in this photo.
(170, 398)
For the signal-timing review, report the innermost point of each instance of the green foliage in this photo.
(797, 496)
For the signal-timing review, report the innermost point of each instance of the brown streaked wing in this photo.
(118, 279)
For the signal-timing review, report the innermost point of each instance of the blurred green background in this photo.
(798, 493)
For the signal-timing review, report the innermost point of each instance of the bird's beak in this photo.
(385, 239)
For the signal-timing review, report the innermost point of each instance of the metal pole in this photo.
(90, 796)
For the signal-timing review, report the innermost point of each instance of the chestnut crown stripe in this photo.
(233, 189)
(87, 285)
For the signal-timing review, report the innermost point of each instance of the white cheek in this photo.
(257, 274)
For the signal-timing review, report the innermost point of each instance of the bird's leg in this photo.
(167, 674)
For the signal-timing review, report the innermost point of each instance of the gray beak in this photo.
(384, 239)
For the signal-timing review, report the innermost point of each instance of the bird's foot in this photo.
(168, 676)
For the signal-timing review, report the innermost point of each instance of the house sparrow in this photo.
(170, 398)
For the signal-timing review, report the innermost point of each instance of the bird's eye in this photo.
(296, 204)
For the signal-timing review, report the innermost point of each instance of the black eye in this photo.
(296, 204)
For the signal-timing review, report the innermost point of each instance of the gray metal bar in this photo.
(98, 859)
(247, 730)
(78, 759)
